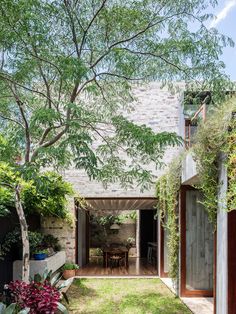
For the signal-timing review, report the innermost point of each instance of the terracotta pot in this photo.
(68, 273)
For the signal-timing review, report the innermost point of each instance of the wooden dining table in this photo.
(115, 250)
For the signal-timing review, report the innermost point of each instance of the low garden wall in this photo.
(52, 263)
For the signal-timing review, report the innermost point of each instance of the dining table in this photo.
(115, 250)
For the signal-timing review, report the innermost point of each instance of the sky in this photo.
(225, 23)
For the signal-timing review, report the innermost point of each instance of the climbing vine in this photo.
(167, 190)
(216, 136)
(231, 164)
(215, 140)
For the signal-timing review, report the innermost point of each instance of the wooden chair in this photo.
(116, 258)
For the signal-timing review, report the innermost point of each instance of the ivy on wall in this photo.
(231, 163)
(215, 136)
(167, 191)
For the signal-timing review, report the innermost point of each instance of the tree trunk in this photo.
(24, 235)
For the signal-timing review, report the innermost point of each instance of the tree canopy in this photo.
(67, 70)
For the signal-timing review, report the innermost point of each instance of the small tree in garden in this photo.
(66, 72)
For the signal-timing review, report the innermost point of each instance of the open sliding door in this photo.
(82, 237)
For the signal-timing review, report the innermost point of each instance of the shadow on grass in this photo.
(106, 297)
(153, 303)
(79, 288)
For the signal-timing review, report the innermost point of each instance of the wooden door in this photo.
(197, 246)
(82, 237)
(232, 262)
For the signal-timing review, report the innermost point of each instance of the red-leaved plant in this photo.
(40, 297)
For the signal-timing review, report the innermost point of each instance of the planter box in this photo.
(189, 171)
(53, 263)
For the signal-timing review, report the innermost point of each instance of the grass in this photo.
(123, 296)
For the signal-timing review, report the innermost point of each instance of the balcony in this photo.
(189, 171)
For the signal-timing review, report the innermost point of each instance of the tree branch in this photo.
(90, 24)
(12, 120)
(9, 79)
(134, 36)
(72, 26)
(47, 131)
(27, 132)
(121, 76)
(155, 56)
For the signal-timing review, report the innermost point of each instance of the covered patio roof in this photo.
(121, 203)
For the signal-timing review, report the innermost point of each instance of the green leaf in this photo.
(10, 309)
(24, 311)
(62, 308)
(66, 283)
(65, 297)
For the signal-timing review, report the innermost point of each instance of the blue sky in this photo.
(225, 22)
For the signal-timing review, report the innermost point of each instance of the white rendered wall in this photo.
(222, 222)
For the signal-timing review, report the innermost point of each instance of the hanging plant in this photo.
(231, 165)
(167, 191)
(212, 139)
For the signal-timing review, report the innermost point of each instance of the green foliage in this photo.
(212, 140)
(40, 251)
(37, 242)
(14, 238)
(167, 191)
(6, 201)
(67, 72)
(47, 195)
(12, 309)
(70, 266)
(44, 193)
(50, 241)
(231, 166)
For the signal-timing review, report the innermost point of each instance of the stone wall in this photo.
(157, 108)
(63, 231)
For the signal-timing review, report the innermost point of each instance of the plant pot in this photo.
(40, 256)
(68, 273)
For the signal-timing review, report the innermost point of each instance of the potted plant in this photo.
(69, 270)
(40, 254)
(131, 242)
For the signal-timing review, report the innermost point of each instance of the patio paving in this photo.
(196, 305)
(200, 305)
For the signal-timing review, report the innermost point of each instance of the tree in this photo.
(67, 68)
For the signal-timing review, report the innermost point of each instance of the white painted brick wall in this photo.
(157, 108)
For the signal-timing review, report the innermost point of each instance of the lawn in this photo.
(126, 296)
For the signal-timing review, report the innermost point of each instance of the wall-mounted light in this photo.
(115, 226)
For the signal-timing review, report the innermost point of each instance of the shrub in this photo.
(39, 297)
(50, 241)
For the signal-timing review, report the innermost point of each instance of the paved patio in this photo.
(196, 305)
(200, 305)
